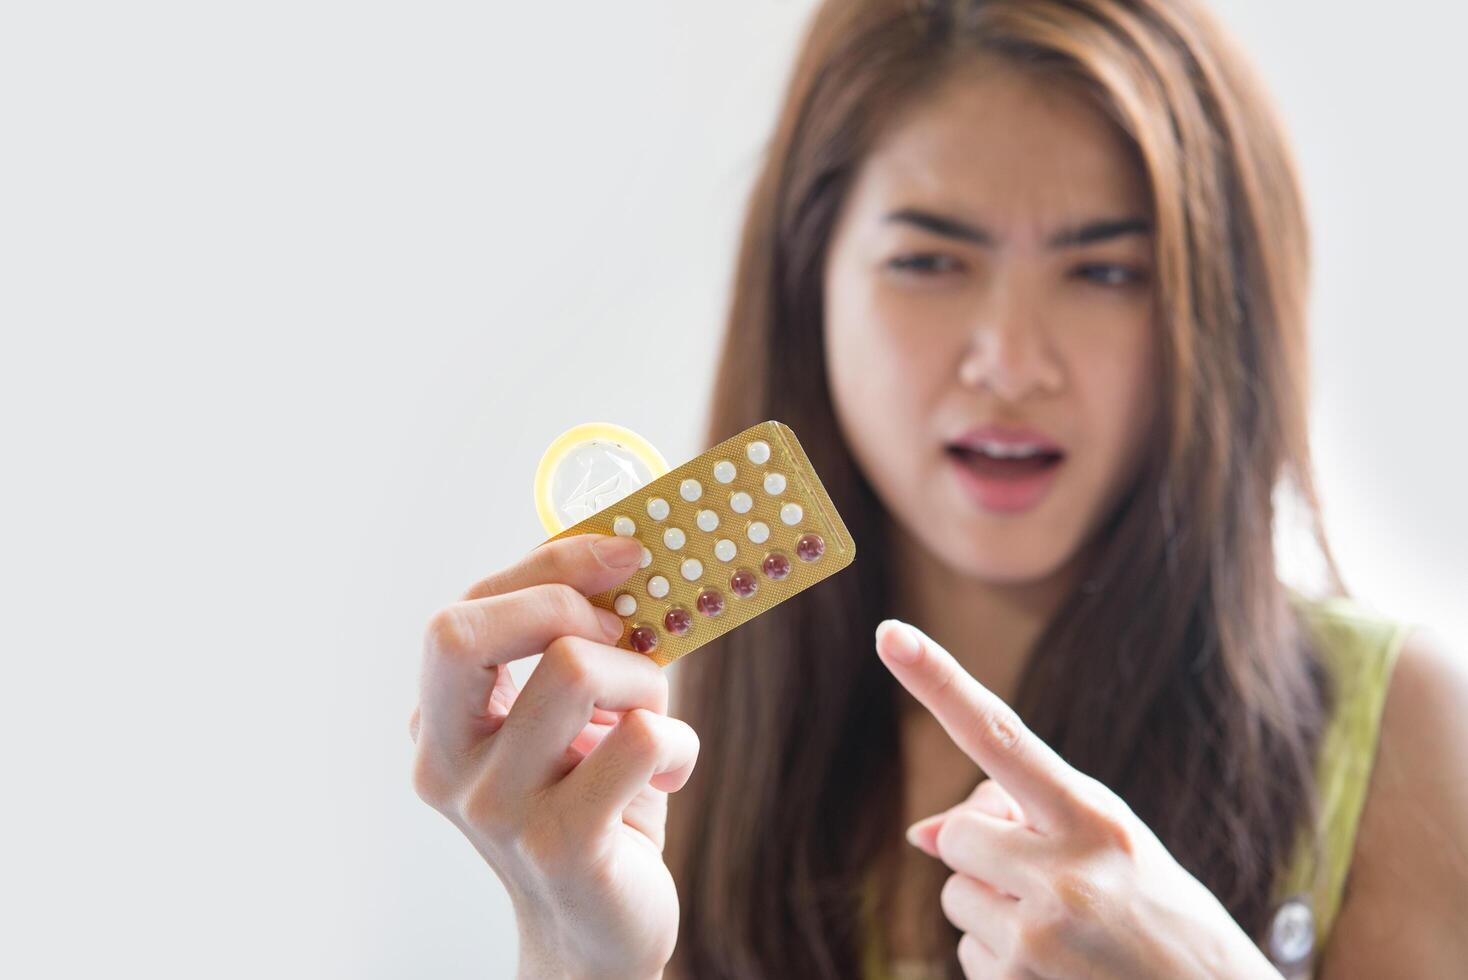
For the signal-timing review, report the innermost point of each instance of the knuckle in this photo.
(992, 798)
(563, 604)
(950, 898)
(954, 832)
(970, 954)
(1002, 728)
(692, 735)
(559, 560)
(449, 632)
(1077, 894)
(1039, 943)
(948, 673)
(1108, 814)
(1122, 835)
(569, 665)
(640, 732)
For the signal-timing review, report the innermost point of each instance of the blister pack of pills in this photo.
(725, 536)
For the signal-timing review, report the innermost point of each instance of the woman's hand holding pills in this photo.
(561, 787)
(1053, 875)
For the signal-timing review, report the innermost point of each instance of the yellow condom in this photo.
(590, 467)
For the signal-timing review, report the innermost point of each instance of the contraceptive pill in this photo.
(766, 530)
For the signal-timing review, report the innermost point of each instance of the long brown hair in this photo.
(1177, 672)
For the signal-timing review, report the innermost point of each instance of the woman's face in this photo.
(989, 322)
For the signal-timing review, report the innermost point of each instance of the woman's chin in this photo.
(1008, 572)
(991, 563)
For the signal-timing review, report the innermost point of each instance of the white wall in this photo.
(294, 294)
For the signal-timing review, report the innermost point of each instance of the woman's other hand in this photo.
(561, 787)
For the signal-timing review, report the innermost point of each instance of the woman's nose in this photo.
(1009, 351)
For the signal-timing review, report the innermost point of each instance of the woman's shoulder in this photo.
(1348, 630)
(1409, 861)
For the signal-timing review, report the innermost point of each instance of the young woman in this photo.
(1028, 278)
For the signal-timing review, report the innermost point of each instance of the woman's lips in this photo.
(1005, 485)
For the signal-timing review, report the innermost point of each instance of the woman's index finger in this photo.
(981, 724)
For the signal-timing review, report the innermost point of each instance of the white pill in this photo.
(725, 550)
(759, 452)
(724, 471)
(774, 484)
(646, 558)
(674, 538)
(657, 509)
(692, 569)
(740, 502)
(625, 605)
(624, 526)
(657, 587)
(759, 532)
(791, 514)
(707, 520)
(691, 490)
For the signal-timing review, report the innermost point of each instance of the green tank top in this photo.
(1360, 649)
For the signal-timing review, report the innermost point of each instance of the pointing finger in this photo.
(981, 724)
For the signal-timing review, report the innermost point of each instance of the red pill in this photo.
(776, 565)
(644, 639)
(742, 583)
(810, 547)
(710, 602)
(677, 621)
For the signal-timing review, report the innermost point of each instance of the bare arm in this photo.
(1402, 913)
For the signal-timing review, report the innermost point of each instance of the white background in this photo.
(293, 294)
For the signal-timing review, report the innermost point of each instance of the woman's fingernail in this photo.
(922, 834)
(611, 625)
(618, 552)
(903, 645)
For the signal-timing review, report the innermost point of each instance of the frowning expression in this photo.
(990, 335)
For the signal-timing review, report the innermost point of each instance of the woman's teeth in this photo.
(1007, 461)
(999, 450)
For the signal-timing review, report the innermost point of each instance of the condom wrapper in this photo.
(725, 537)
(590, 467)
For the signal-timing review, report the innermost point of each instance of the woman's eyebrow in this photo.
(1100, 231)
(1086, 234)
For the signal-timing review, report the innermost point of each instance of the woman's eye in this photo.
(924, 263)
(1111, 275)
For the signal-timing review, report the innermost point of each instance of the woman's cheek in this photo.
(866, 380)
(1114, 384)
(888, 351)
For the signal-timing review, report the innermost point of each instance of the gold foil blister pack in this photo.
(726, 536)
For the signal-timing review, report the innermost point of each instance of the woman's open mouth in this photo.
(1005, 476)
